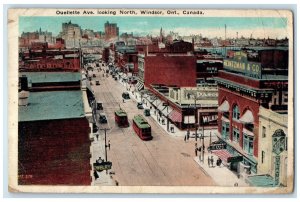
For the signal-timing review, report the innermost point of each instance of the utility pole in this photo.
(105, 144)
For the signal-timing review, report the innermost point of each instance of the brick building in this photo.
(50, 60)
(111, 30)
(54, 134)
(245, 85)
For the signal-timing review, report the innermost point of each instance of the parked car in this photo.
(147, 112)
(140, 105)
(99, 105)
(125, 95)
(97, 83)
(102, 118)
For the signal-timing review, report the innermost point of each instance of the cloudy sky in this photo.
(207, 26)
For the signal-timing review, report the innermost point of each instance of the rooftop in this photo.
(48, 77)
(121, 112)
(140, 121)
(51, 105)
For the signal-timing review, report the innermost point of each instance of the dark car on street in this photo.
(102, 118)
(97, 83)
(125, 95)
(95, 128)
(147, 112)
(140, 105)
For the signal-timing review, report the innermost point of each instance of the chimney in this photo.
(24, 83)
(23, 98)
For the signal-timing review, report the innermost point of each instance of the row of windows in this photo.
(247, 140)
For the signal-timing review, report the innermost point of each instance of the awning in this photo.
(157, 102)
(223, 154)
(175, 116)
(140, 87)
(247, 117)
(224, 107)
(247, 132)
(167, 111)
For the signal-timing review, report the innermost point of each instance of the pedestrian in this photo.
(158, 120)
(188, 136)
(185, 138)
(203, 149)
(97, 136)
(150, 107)
(196, 149)
(208, 161)
(172, 129)
(212, 161)
(123, 100)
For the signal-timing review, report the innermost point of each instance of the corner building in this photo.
(246, 84)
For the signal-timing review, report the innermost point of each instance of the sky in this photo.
(207, 26)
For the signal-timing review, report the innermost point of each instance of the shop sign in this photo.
(235, 159)
(240, 64)
(277, 169)
(102, 166)
(217, 147)
(278, 142)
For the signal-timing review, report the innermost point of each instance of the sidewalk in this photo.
(97, 148)
(221, 175)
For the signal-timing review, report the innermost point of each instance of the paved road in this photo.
(165, 160)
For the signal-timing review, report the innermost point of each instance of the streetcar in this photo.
(121, 118)
(141, 127)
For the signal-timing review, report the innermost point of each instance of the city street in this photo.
(165, 160)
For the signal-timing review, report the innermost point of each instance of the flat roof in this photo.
(52, 105)
(141, 122)
(47, 77)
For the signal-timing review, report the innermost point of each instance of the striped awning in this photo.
(139, 86)
(175, 116)
(223, 154)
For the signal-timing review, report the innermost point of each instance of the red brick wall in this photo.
(55, 152)
(243, 103)
(239, 79)
(170, 70)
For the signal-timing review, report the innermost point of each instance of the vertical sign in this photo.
(277, 170)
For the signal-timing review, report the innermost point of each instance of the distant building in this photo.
(43, 59)
(111, 30)
(72, 34)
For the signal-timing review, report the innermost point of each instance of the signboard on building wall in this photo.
(208, 118)
(240, 63)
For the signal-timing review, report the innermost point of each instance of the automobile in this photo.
(102, 118)
(99, 105)
(140, 105)
(116, 78)
(94, 75)
(97, 83)
(125, 95)
(95, 128)
(147, 112)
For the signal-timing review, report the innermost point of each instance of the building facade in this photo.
(111, 30)
(244, 87)
(273, 147)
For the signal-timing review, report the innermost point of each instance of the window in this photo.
(262, 156)
(236, 112)
(263, 131)
(236, 134)
(248, 144)
(225, 130)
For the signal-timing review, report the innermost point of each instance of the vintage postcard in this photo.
(151, 101)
